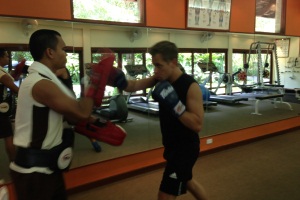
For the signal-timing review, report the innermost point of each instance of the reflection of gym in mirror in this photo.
(137, 112)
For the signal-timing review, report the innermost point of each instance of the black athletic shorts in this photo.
(178, 170)
(39, 186)
(5, 126)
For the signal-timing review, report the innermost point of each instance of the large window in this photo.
(201, 75)
(269, 15)
(185, 59)
(73, 65)
(133, 65)
(120, 11)
(209, 66)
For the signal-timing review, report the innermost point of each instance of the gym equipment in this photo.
(205, 92)
(257, 47)
(242, 76)
(227, 99)
(117, 110)
(206, 96)
(140, 103)
(227, 79)
(277, 98)
(260, 89)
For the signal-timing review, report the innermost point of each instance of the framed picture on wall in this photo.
(283, 47)
(208, 14)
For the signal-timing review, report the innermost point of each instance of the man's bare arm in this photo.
(9, 83)
(135, 85)
(194, 114)
(49, 94)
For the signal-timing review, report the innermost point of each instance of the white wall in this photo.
(291, 79)
(91, 35)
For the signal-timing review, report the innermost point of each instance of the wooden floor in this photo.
(265, 169)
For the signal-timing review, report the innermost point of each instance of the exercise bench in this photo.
(274, 97)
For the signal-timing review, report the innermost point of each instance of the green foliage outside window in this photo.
(19, 55)
(107, 10)
(73, 67)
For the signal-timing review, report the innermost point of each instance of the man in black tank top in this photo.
(181, 118)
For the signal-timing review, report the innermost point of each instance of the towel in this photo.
(37, 67)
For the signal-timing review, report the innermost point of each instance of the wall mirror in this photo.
(198, 49)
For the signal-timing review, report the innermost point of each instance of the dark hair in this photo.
(2, 52)
(166, 49)
(40, 40)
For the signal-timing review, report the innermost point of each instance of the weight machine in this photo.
(227, 79)
(258, 47)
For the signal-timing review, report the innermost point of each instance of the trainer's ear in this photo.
(49, 53)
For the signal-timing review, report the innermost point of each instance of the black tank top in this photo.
(174, 133)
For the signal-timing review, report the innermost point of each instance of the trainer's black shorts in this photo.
(39, 186)
(5, 126)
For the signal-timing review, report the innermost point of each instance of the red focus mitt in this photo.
(108, 132)
(18, 70)
(98, 78)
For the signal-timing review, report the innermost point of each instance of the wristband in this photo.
(179, 109)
